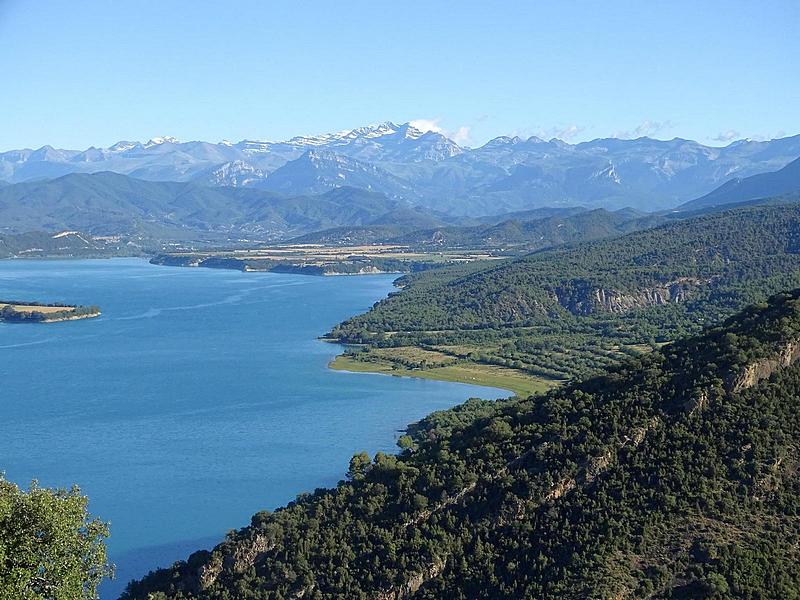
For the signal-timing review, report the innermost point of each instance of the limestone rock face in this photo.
(751, 374)
(583, 298)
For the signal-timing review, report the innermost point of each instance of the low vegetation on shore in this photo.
(407, 362)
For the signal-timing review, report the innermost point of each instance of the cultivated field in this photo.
(40, 309)
(310, 253)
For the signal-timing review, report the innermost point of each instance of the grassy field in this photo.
(319, 254)
(40, 309)
(514, 381)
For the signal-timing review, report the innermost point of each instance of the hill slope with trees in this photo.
(672, 476)
(110, 203)
(569, 311)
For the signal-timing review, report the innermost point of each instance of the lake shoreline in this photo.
(477, 375)
(218, 371)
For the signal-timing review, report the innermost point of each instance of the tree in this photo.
(359, 465)
(405, 442)
(50, 547)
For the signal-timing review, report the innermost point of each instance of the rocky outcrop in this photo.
(582, 297)
(754, 372)
(413, 583)
(560, 489)
(207, 575)
(246, 553)
(696, 402)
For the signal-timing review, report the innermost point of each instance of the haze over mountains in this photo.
(765, 185)
(428, 169)
(110, 203)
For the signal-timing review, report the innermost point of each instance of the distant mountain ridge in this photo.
(505, 174)
(107, 203)
(765, 185)
(113, 204)
(514, 235)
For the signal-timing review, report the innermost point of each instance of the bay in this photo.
(198, 398)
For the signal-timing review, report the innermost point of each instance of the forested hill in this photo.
(65, 243)
(673, 476)
(604, 276)
(560, 312)
(517, 235)
(111, 204)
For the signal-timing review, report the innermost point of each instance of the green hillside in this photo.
(66, 244)
(525, 233)
(109, 203)
(531, 235)
(673, 476)
(572, 310)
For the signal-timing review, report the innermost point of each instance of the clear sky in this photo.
(77, 73)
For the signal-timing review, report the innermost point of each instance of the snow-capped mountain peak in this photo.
(373, 131)
(412, 133)
(157, 141)
(378, 133)
(503, 140)
(253, 146)
(123, 146)
(316, 140)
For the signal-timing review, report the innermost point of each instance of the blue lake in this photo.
(198, 398)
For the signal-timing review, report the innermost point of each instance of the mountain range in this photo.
(428, 169)
(105, 203)
(531, 230)
(765, 185)
(514, 234)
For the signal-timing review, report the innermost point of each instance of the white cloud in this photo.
(726, 136)
(460, 135)
(427, 125)
(645, 128)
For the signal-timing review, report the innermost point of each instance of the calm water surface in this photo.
(198, 398)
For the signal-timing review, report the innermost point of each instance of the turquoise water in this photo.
(198, 398)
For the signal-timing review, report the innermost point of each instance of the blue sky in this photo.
(92, 72)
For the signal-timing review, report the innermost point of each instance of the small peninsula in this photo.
(318, 259)
(36, 312)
